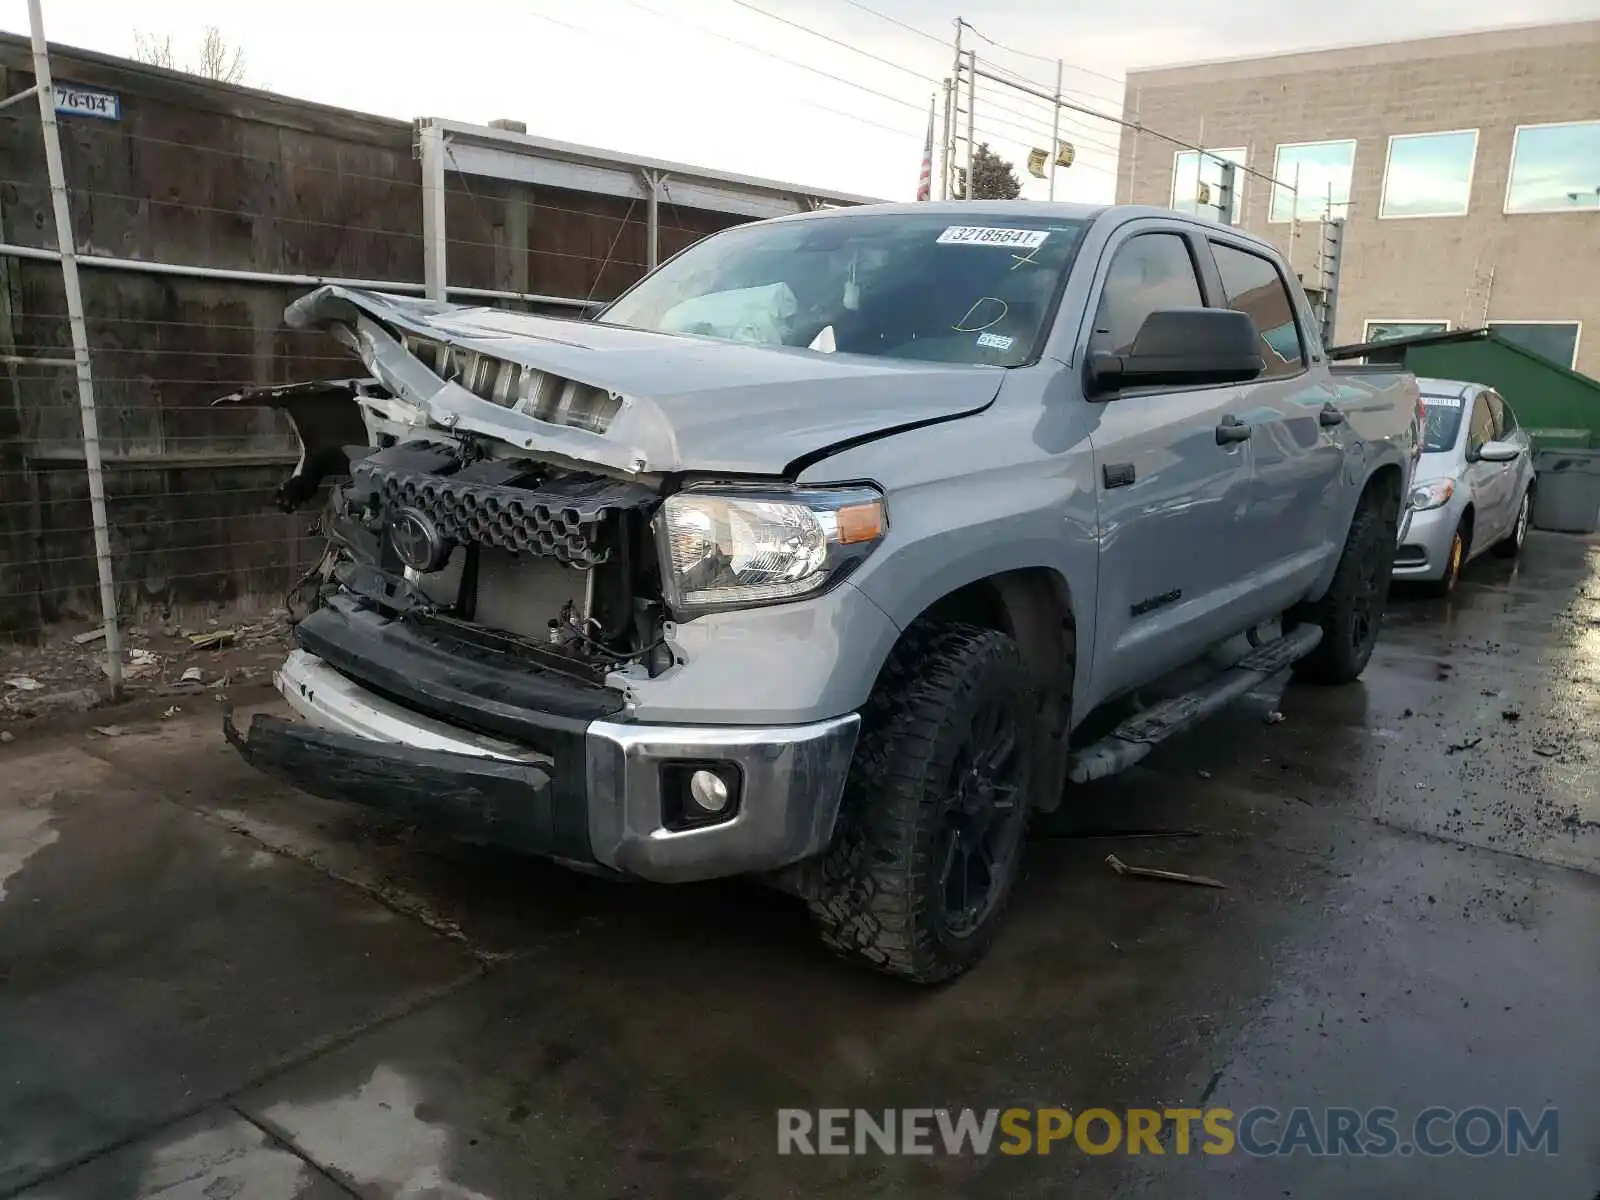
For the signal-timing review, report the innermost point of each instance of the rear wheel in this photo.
(1511, 545)
(935, 811)
(1455, 558)
(1352, 610)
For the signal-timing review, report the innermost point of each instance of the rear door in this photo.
(1298, 450)
(1172, 491)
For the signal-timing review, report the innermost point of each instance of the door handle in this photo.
(1231, 429)
(1330, 416)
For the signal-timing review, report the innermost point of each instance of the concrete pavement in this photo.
(214, 987)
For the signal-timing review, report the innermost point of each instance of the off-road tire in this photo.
(1360, 587)
(877, 897)
(1455, 559)
(1511, 545)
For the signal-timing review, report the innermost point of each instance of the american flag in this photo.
(925, 183)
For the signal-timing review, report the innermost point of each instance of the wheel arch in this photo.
(1034, 606)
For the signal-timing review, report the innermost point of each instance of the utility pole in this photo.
(66, 244)
(952, 106)
(1055, 131)
(972, 98)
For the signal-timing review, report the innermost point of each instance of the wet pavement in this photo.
(211, 986)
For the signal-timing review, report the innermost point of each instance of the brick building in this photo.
(1467, 168)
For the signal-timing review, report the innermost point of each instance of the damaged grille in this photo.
(527, 390)
(482, 505)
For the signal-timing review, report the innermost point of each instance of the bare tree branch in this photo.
(218, 60)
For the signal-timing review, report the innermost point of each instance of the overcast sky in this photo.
(714, 83)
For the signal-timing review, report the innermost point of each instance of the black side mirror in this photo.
(1183, 346)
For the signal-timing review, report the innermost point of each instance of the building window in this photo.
(1555, 168)
(1188, 173)
(1429, 174)
(1387, 331)
(1555, 340)
(1317, 175)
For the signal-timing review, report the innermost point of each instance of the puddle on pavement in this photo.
(25, 829)
(375, 1138)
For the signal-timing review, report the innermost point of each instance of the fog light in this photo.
(708, 791)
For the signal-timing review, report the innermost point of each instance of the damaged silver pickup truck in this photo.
(809, 556)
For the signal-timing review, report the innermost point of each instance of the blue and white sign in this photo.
(85, 102)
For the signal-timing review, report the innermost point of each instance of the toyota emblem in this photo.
(417, 540)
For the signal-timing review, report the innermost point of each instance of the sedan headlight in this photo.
(1432, 494)
(737, 547)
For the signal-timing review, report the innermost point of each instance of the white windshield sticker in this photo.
(1441, 402)
(995, 341)
(988, 235)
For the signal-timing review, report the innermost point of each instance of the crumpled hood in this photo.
(686, 403)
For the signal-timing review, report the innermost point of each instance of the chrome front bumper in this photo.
(792, 777)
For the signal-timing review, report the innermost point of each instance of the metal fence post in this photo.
(430, 150)
(67, 245)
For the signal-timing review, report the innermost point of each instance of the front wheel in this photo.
(1455, 559)
(935, 810)
(1511, 545)
(1352, 610)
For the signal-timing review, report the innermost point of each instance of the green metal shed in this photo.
(1558, 406)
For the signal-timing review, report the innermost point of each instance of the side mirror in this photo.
(1182, 346)
(1499, 452)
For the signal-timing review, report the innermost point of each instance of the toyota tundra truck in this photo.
(811, 556)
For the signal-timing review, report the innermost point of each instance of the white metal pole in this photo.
(430, 140)
(652, 184)
(67, 246)
(1055, 131)
(972, 97)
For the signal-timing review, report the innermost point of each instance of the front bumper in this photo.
(1424, 548)
(603, 775)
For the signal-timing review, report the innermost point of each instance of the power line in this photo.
(896, 21)
(762, 50)
(612, 39)
(1040, 57)
(827, 37)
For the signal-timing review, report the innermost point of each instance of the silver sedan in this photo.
(1473, 486)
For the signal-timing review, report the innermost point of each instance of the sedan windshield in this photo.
(1444, 422)
(919, 286)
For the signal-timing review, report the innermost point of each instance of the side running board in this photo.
(1136, 736)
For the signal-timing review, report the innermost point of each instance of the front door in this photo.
(1297, 440)
(1173, 479)
(1491, 482)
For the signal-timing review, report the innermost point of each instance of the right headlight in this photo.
(731, 547)
(1432, 494)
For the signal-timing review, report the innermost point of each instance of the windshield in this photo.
(1444, 422)
(920, 286)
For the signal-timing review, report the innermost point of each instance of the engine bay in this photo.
(535, 560)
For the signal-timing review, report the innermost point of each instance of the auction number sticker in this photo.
(1441, 401)
(988, 235)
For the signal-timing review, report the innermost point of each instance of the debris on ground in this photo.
(141, 664)
(1122, 868)
(110, 731)
(1273, 717)
(94, 635)
(192, 675)
(24, 683)
(1457, 747)
(213, 640)
(1510, 714)
(1203, 774)
(7, 737)
(171, 712)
